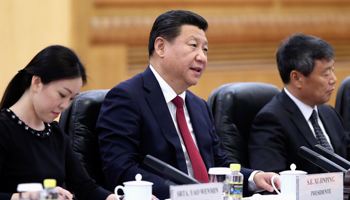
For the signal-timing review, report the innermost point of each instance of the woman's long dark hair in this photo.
(50, 64)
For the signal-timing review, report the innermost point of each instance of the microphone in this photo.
(319, 160)
(169, 171)
(332, 156)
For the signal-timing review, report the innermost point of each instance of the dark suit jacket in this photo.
(135, 121)
(280, 129)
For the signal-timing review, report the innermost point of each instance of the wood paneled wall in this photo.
(111, 37)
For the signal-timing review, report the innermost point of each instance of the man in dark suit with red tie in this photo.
(298, 116)
(154, 113)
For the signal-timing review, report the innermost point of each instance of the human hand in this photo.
(64, 194)
(154, 197)
(113, 197)
(26, 195)
(263, 181)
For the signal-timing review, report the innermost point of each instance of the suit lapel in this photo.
(199, 127)
(160, 110)
(298, 118)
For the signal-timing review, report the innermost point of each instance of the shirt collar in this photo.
(305, 109)
(168, 92)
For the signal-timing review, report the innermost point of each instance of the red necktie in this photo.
(199, 169)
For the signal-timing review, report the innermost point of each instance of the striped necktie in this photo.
(321, 139)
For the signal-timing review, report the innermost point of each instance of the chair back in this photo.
(234, 107)
(342, 102)
(79, 122)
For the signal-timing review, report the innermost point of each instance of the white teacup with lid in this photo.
(288, 180)
(136, 190)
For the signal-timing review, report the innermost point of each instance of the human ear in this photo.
(36, 83)
(159, 46)
(296, 78)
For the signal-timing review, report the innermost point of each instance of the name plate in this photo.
(205, 191)
(324, 186)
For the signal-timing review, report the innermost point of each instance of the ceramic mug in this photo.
(288, 181)
(136, 190)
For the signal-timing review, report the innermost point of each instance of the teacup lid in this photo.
(138, 181)
(292, 171)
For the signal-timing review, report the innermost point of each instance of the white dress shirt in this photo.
(169, 95)
(306, 110)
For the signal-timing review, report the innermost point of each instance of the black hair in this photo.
(50, 64)
(299, 52)
(168, 25)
